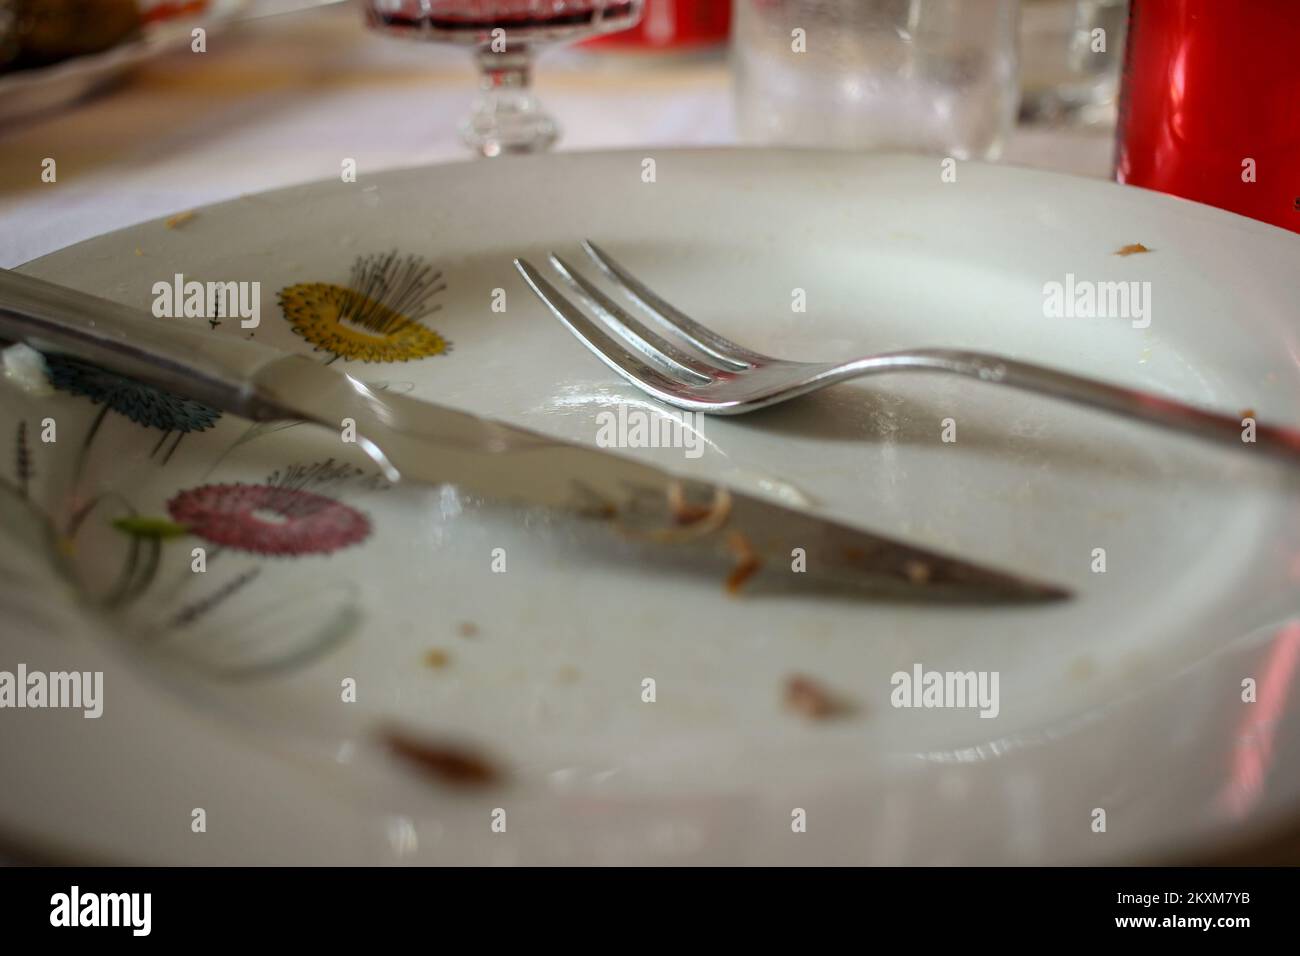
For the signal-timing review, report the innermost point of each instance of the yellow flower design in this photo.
(375, 318)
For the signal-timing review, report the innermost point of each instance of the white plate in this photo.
(1127, 699)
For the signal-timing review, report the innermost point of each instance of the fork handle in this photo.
(215, 369)
(1278, 442)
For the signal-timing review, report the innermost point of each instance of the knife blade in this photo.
(640, 502)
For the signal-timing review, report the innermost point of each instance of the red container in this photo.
(673, 25)
(1210, 104)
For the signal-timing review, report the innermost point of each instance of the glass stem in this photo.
(509, 70)
(507, 117)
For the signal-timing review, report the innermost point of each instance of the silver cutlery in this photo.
(419, 441)
(692, 367)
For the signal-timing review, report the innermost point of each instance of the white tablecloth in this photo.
(283, 100)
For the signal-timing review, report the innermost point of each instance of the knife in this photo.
(673, 516)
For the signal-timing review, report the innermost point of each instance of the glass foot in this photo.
(496, 128)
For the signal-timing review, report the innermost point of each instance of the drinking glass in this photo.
(504, 35)
(1070, 51)
(930, 75)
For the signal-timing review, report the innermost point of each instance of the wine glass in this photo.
(504, 34)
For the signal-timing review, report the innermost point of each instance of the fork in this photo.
(694, 368)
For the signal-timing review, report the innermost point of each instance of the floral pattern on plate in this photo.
(376, 317)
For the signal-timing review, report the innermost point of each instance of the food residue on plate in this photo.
(180, 219)
(1131, 249)
(467, 629)
(1081, 668)
(683, 511)
(436, 658)
(811, 699)
(918, 572)
(747, 561)
(690, 520)
(450, 764)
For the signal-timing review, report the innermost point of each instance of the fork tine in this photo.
(654, 347)
(706, 340)
(631, 367)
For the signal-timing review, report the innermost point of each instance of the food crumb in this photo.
(1081, 668)
(467, 629)
(1131, 249)
(450, 764)
(683, 511)
(806, 696)
(436, 658)
(918, 572)
(180, 219)
(747, 562)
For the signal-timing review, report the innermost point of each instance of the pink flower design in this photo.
(269, 519)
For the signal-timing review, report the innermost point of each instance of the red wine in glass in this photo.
(504, 35)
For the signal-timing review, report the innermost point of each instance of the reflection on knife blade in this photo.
(779, 547)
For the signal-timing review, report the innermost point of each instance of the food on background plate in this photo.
(47, 31)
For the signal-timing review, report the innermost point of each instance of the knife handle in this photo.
(215, 369)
